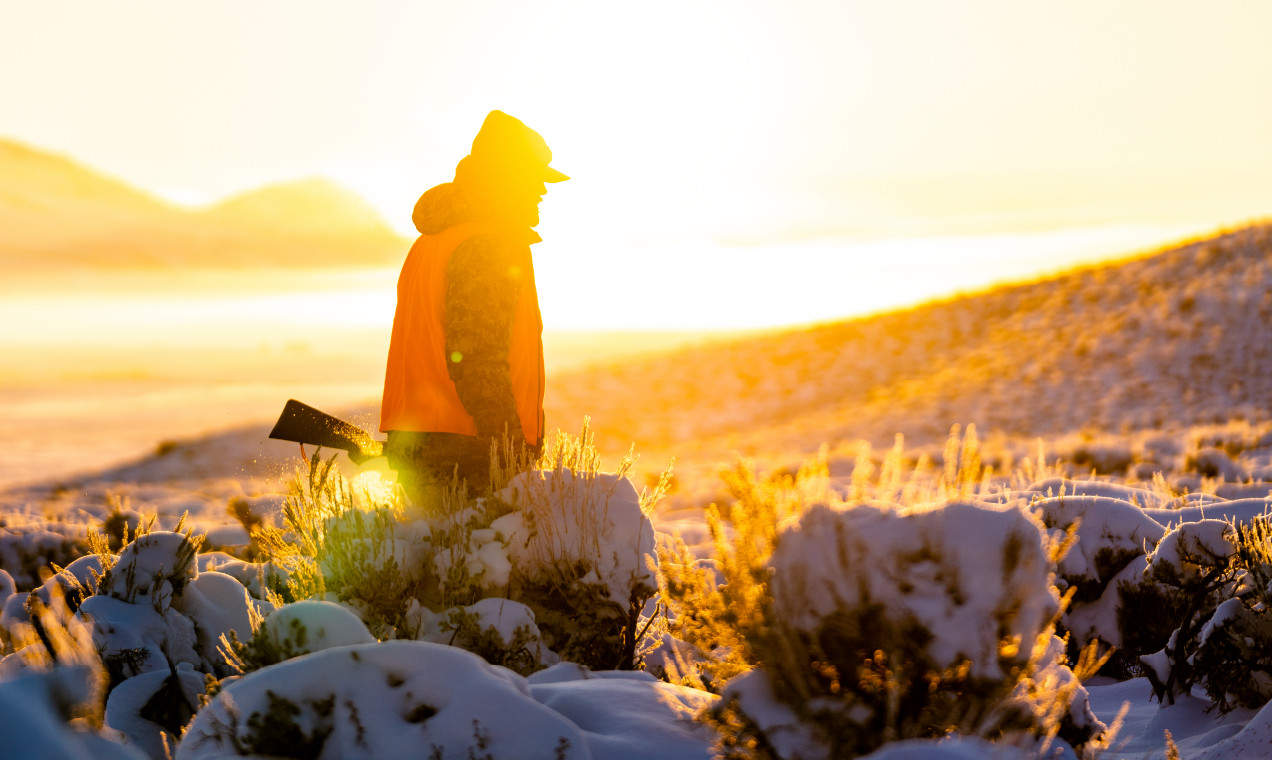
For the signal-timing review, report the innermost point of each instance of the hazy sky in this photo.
(731, 126)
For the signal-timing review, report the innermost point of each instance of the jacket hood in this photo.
(447, 205)
(443, 207)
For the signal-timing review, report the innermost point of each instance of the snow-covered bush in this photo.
(578, 541)
(1233, 657)
(41, 717)
(151, 710)
(570, 544)
(1109, 534)
(345, 541)
(146, 620)
(393, 699)
(420, 699)
(1214, 463)
(150, 609)
(263, 580)
(502, 631)
(293, 630)
(1195, 561)
(842, 626)
(28, 551)
(1103, 455)
(894, 622)
(712, 617)
(1103, 568)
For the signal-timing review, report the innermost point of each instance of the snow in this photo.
(1243, 491)
(33, 725)
(118, 626)
(595, 519)
(154, 566)
(968, 573)
(227, 535)
(24, 548)
(247, 573)
(84, 569)
(571, 671)
(1228, 610)
(1252, 742)
(1159, 662)
(503, 615)
(395, 699)
(791, 738)
(1241, 511)
(472, 706)
(7, 587)
(217, 604)
(1054, 675)
(1106, 523)
(125, 704)
(326, 625)
(486, 554)
(1197, 539)
(1098, 619)
(632, 719)
(1054, 487)
(15, 612)
(1193, 725)
(949, 749)
(1216, 462)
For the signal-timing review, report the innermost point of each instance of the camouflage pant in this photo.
(425, 462)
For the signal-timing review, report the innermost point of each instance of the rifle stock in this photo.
(302, 423)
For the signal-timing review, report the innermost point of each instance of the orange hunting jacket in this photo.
(419, 394)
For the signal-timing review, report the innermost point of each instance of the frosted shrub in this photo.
(145, 621)
(1233, 657)
(943, 572)
(895, 625)
(348, 542)
(1196, 561)
(578, 541)
(501, 631)
(1106, 455)
(294, 630)
(392, 699)
(568, 543)
(1214, 463)
(155, 707)
(842, 626)
(1103, 569)
(130, 608)
(28, 552)
(42, 716)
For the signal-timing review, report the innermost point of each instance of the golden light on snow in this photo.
(371, 491)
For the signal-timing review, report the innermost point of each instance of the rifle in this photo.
(303, 424)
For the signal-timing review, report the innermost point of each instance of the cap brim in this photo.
(552, 175)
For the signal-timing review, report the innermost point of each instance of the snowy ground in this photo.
(1197, 732)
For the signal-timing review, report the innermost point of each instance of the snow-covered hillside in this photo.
(1176, 338)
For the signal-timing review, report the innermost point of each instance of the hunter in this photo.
(465, 365)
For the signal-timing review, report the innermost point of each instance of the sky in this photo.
(734, 164)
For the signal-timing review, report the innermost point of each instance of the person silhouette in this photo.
(465, 363)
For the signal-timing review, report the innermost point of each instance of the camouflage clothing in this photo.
(423, 460)
(482, 290)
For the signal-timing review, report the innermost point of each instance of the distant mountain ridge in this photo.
(307, 206)
(57, 214)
